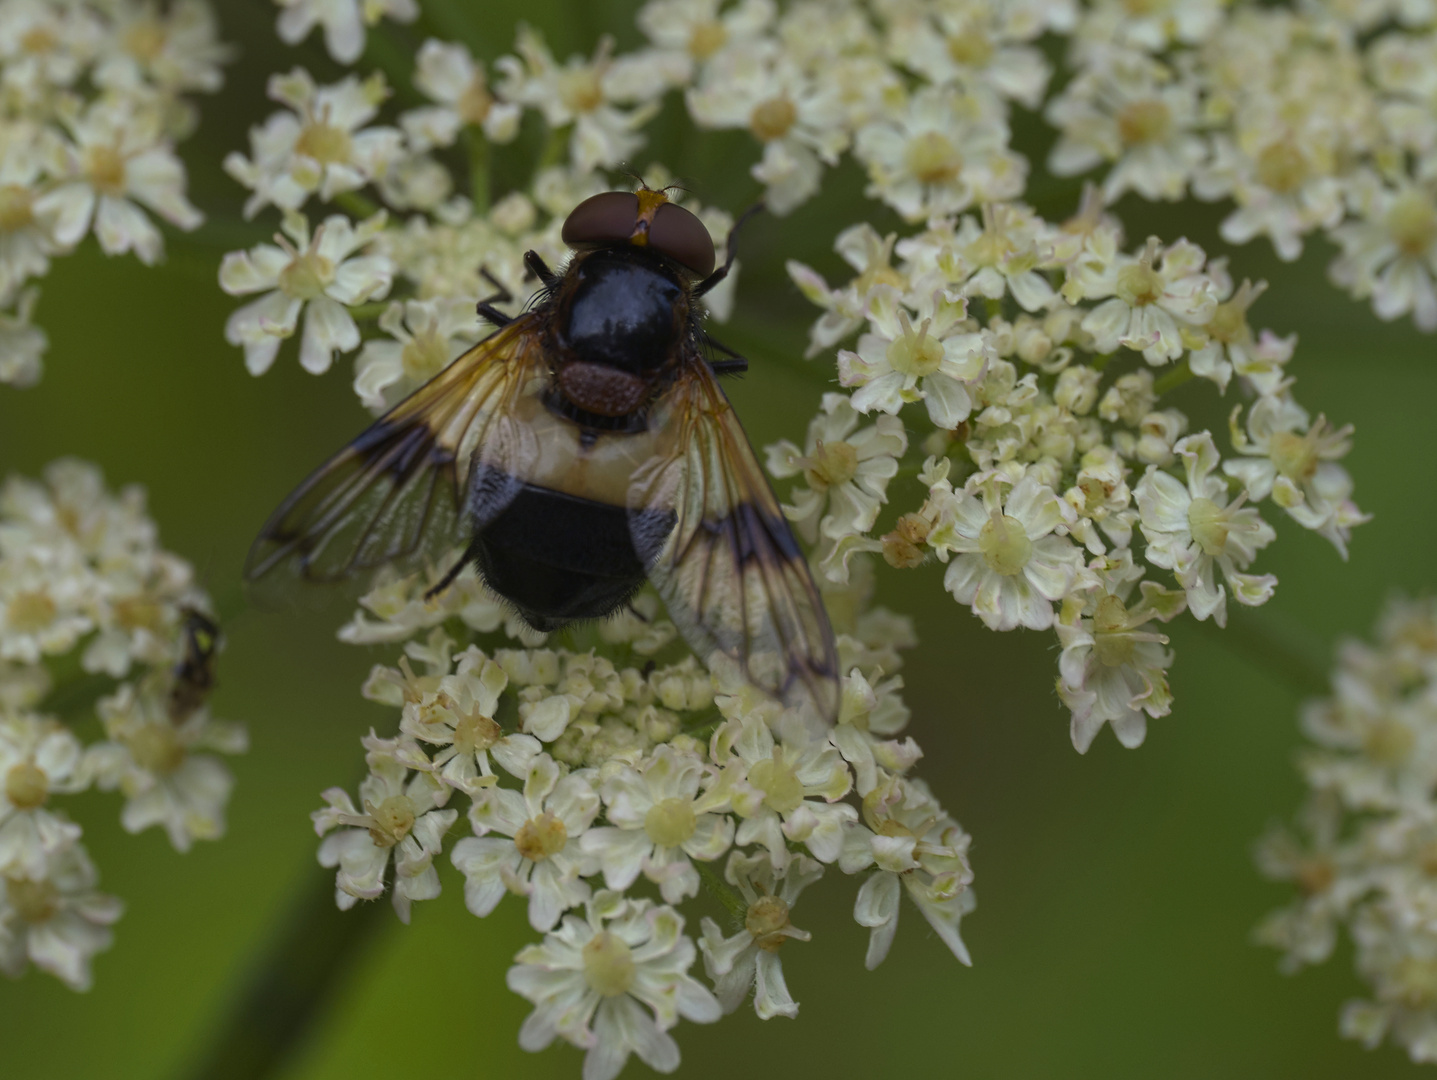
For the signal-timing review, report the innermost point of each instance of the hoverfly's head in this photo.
(642, 218)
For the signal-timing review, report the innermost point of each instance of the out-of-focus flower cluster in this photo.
(608, 787)
(97, 621)
(1363, 852)
(94, 97)
(1060, 484)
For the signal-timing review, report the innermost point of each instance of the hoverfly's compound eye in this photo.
(614, 217)
(682, 237)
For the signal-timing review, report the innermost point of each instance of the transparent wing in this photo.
(730, 571)
(406, 488)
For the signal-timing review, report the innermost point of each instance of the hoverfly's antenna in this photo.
(730, 251)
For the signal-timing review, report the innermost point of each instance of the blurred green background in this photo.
(1116, 891)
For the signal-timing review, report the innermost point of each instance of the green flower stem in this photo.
(304, 963)
(478, 147)
(355, 205)
(1173, 379)
(555, 147)
(722, 891)
(371, 310)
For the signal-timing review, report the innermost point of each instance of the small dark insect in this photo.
(195, 673)
(581, 448)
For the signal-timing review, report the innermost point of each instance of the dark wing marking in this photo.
(402, 490)
(730, 571)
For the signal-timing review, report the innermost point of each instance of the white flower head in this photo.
(115, 161)
(1298, 469)
(158, 766)
(931, 356)
(320, 147)
(529, 843)
(1113, 670)
(914, 847)
(399, 821)
(319, 272)
(1194, 529)
(749, 958)
(448, 74)
(1009, 563)
(612, 982)
(38, 758)
(1152, 300)
(941, 154)
(342, 21)
(22, 343)
(457, 717)
(660, 818)
(845, 470)
(425, 336)
(56, 921)
(783, 792)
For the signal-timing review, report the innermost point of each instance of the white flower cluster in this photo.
(1305, 117)
(93, 99)
(88, 598)
(1364, 852)
(1060, 485)
(590, 783)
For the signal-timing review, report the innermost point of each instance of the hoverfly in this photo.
(194, 675)
(584, 447)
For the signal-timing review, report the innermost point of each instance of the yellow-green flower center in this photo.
(771, 119)
(424, 355)
(1139, 284)
(830, 465)
(475, 733)
(581, 89)
(156, 748)
(779, 782)
(1147, 121)
(1388, 742)
(16, 207)
(1112, 643)
(670, 822)
(972, 47)
(915, 353)
(706, 39)
(1295, 456)
(1416, 981)
(1412, 221)
(34, 901)
(145, 40)
(1209, 525)
(766, 920)
(1005, 545)
(933, 159)
(608, 965)
(1281, 167)
(475, 102)
(26, 786)
(105, 167)
(29, 612)
(325, 143)
(540, 837)
(307, 275)
(393, 820)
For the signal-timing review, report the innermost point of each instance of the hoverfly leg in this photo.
(734, 365)
(486, 308)
(470, 554)
(539, 268)
(730, 252)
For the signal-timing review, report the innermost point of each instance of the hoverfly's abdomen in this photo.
(624, 314)
(559, 558)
